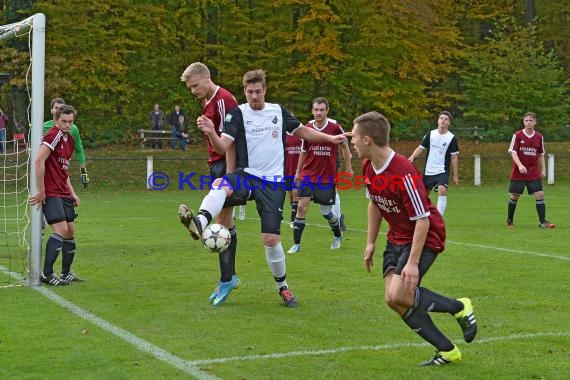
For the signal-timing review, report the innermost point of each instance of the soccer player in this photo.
(316, 175)
(416, 237)
(217, 102)
(57, 197)
(257, 129)
(527, 151)
(442, 149)
(292, 153)
(79, 152)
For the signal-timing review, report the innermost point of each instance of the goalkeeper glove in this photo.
(84, 178)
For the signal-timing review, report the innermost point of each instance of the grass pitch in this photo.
(143, 311)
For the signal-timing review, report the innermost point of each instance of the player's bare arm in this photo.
(40, 164)
(220, 144)
(522, 168)
(374, 222)
(74, 196)
(347, 155)
(455, 167)
(542, 165)
(417, 152)
(310, 134)
(410, 273)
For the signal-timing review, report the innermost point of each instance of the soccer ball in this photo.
(216, 238)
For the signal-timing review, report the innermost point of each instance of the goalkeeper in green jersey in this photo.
(55, 104)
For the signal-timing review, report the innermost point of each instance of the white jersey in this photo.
(259, 137)
(439, 148)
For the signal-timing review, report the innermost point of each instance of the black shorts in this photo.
(269, 198)
(434, 181)
(517, 187)
(58, 209)
(320, 193)
(396, 257)
(218, 169)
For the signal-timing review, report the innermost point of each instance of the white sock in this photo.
(336, 206)
(213, 203)
(441, 203)
(276, 261)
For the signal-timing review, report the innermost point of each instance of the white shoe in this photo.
(295, 248)
(336, 243)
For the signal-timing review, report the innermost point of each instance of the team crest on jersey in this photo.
(274, 120)
(274, 134)
(228, 118)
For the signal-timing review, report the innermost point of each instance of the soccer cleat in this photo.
(53, 280)
(216, 292)
(224, 289)
(342, 225)
(289, 299)
(444, 357)
(547, 224)
(70, 277)
(337, 242)
(190, 221)
(295, 248)
(466, 320)
(510, 223)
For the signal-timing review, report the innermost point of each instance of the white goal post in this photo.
(37, 25)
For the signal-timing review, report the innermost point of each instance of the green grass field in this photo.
(143, 312)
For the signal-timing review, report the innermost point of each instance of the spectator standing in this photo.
(157, 121)
(173, 120)
(3, 125)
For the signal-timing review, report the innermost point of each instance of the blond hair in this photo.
(196, 68)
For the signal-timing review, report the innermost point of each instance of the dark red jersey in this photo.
(528, 149)
(292, 153)
(398, 191)
(321, 161)
(57, 164)
(215, 109)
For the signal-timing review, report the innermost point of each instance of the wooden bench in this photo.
(146, 135)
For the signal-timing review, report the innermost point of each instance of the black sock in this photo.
(430, 301)
(334, 224)
(298, 227)
(511, 209)
(541, 210)
(53, 246)
(67, 255)
(294, 207)
(228, 258)
(421, 323)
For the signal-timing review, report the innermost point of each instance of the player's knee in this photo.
(270, 240)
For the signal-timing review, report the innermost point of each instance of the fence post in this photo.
(477, 170)
(149, 171)
(551, 169)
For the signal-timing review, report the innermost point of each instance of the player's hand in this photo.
(522, 169)
(456, 180)
(75, 200)
(410, 276)
(368, 255)
(84, 178)
(204, 124)
(38, 198)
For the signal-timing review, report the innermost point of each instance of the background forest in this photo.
(487, 61)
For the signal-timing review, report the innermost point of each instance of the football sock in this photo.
(430, 301)
(294, 206)
(67, 255)
(511, 209)
(441, 204)
(228, 259)
(421, 323)
(53, 247)
(336, 206)
(298, 227)
(541, 210)
(213, 203)
(334, 223)
(276, 261)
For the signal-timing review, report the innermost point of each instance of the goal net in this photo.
(20, 224)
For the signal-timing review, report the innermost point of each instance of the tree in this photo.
(512, 74)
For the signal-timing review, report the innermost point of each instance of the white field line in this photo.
(381, 347)
(478, 246)
(140, 344)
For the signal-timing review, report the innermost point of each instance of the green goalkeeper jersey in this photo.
(76, 137)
